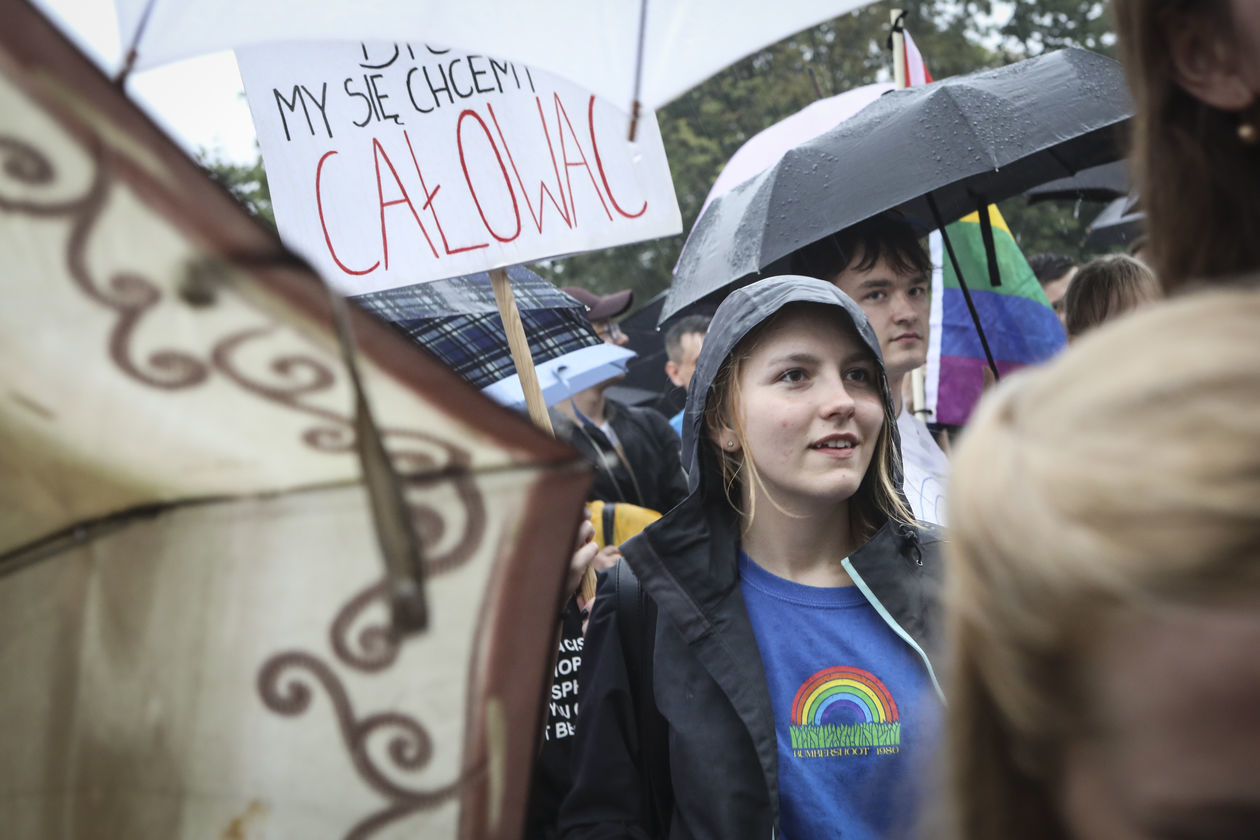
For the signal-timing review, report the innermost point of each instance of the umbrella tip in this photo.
(408, 609)
(120, 80)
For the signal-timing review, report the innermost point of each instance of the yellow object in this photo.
(995, 217)
(619, 520)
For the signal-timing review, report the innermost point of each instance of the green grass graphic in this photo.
(855, 735)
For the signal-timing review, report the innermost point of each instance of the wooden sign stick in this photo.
(524, 361)
(519, 345)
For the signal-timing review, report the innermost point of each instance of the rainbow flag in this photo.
(1018, 321)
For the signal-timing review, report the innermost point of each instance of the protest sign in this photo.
(393, 164)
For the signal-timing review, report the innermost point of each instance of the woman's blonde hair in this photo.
(1124, 474)
(1198, 182)
(1104, 288)
(877, 499)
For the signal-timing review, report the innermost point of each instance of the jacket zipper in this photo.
(892, 622)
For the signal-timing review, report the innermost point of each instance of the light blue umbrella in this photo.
(564, 376)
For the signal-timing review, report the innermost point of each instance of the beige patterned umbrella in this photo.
(195, 626)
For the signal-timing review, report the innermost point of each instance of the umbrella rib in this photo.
(755, 186)
(962, 284)
(1054, 155)
(949, 91)
(133, 52)
(763, 226)
(638, 68)
(81, 533)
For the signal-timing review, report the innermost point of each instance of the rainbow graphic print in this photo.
(841, 711)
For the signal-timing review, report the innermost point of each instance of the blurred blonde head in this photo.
(1123, 476)
(1105, 288)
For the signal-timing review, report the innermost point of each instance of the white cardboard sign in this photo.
(394, 164)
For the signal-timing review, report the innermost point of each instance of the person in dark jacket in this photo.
(780, 679)
(637, 475)
(638, 463)
(634, 450)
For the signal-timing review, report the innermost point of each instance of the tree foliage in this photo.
(247, 182)
(1034, 28)
(703, 128)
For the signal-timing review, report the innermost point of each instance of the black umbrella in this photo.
(1098, 183)
(937, 152)
(1119, 222)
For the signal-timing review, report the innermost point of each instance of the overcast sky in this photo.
(199, 102)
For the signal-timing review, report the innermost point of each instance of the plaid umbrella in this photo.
(458, 321)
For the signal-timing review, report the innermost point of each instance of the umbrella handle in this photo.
(962, 283)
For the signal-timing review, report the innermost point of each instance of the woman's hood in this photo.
(738, 315)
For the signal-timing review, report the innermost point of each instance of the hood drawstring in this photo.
(913, 549)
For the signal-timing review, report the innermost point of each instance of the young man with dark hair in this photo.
(683, 340)
(883, 267)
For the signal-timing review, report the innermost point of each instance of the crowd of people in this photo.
(826, 626)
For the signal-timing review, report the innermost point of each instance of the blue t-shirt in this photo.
(854, 712)
(675, 422)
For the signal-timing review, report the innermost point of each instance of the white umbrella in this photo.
(627, 51)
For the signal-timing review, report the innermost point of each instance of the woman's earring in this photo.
(1247, 132)
(729, 444)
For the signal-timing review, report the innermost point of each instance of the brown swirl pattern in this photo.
(129, 294)
(360, 634)
(409, 747)
(295, 377)
(374, 647)
(443, 466)
(292, 377)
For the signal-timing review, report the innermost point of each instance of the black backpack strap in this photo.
(636, 623)
(610, 529)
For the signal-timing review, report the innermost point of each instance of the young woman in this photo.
(778, 680)
(1104, 589)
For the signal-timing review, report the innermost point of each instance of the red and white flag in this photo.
(916, 69)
